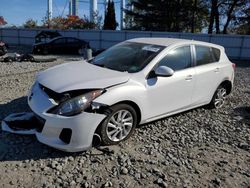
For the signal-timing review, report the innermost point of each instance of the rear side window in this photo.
(206, 55)
(71, 40)
(177, 59)
(216, 53)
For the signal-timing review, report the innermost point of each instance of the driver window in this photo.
(59, 41)
(177, 59)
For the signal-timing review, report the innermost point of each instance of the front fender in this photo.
(130, 91)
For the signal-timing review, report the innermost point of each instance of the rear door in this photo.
(207, 69)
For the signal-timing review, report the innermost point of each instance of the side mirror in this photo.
(164, 71)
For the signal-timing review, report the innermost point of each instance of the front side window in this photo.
(128, 56)
(59, 41)
(206, 55)
(177, 59)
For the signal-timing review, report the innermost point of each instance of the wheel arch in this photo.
(227, 84)
(128, 102)
(133, 105)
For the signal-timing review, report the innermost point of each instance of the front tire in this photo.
(119, 125)
(219, 97)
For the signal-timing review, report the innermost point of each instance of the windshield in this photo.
(127, 56)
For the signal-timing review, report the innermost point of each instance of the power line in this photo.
(85, 1)
(57, 9)
(66, 3)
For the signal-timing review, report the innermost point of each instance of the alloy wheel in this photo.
(119, 125)
(220, 97)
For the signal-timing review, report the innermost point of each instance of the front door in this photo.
(174, 93)
(58, 46)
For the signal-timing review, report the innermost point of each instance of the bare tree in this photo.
(214, 17)
(194, 16)
(231, 11)
(223, 10)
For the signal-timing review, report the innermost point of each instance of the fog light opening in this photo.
(65, 135)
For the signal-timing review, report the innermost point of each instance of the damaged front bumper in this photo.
(68, 134)
(20, 123)
(71, 134)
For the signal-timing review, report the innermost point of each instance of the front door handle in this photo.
(189, 77)
(217, 70)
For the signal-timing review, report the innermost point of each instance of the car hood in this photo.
(80, 75)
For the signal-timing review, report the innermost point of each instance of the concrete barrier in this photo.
(237, 46)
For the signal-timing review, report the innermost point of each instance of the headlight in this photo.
(78, 104)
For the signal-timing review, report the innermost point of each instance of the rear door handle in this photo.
(189, 77)
(217, 70)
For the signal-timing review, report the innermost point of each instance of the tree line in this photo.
(211, 16)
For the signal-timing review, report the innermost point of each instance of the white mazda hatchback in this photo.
(131, 83)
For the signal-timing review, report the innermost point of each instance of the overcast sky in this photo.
(16, 12)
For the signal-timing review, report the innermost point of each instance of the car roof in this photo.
(59, 37)
(170, 41)
(62, 37)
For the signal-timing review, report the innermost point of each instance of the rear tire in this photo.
(219, 97)
(119, 125)
(3, 50)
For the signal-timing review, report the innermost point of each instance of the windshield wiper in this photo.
(91, 60)
(100, 65)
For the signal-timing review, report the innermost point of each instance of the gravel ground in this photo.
(198, 148)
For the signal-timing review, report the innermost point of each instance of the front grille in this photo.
(40, 123)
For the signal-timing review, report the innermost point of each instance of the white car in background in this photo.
(131, 83)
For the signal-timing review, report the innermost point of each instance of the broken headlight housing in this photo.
(77, 104)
